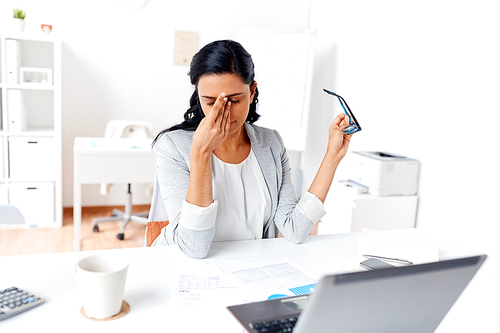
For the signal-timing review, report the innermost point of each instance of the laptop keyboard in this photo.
(281, 325)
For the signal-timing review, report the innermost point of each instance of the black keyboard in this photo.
(280, 325)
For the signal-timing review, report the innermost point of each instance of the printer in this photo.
(384, 174)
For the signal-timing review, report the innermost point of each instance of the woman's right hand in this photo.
(214, 128)
(211, 132)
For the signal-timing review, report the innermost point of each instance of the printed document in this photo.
(224, 283)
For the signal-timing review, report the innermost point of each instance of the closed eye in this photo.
(232, 102)
(211, 100)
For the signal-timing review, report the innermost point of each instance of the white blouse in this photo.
(244, 202)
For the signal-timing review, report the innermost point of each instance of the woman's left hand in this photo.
(338, 141)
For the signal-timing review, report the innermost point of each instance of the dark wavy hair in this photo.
(219, 57)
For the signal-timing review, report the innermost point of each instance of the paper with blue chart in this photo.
(233, 282)
(271, 278)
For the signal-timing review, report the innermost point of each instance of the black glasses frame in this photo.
(353, 123)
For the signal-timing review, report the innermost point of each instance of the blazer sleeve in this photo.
(294, 218)
(191, 228)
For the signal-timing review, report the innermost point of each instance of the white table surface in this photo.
(153, 271)
(108, 160)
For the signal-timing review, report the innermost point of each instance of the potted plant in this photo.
(19, 16)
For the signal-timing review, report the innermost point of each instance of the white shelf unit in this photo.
(30, 128)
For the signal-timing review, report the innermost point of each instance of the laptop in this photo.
(400, 299)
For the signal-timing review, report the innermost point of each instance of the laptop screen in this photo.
(400, 299)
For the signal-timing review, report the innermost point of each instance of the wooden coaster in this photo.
(124, 310)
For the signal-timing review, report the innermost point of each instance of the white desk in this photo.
(153, 271)
(108, 160)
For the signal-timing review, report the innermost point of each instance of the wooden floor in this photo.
(14, 242)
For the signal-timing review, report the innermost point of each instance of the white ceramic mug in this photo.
(102, 281)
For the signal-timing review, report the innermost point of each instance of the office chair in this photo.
(157, 217)
(10, 215)
(124, 129)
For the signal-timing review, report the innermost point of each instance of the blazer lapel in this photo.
(266, 163)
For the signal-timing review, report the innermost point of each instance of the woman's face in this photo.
(240, 94)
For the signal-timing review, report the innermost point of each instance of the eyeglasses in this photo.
(353, 123)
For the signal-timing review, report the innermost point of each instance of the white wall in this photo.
(422, 78)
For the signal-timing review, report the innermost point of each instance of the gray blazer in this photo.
(172, 168)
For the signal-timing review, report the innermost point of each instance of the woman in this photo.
(223, 178)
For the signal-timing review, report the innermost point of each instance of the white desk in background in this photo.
(153, 272)
(108, 160)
